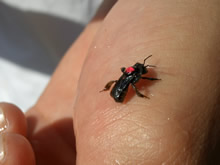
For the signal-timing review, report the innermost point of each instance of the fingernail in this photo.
(3, 123)
(2, 152)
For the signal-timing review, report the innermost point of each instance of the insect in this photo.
(131, 75)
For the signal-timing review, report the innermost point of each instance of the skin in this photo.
(179, 124)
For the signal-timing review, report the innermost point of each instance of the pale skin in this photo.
(179, 124)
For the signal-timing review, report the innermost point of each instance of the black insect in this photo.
(131, 75)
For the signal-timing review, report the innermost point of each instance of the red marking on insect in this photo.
(129, 70)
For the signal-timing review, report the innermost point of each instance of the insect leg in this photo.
(108, 85)
(150, 78)
(137, 92)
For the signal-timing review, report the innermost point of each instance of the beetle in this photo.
(131, 75)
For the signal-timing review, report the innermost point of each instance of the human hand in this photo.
(175, 126)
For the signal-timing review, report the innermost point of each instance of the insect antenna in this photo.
(146, 59)
(149, 66)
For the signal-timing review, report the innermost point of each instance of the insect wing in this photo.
(124, 82)
(121, 87)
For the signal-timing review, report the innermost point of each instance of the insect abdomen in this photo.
(119, 94)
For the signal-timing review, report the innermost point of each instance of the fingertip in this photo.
(15, 150)
(12, 119)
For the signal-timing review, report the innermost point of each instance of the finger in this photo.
(12, 119)
(167, 128)
(15, 149)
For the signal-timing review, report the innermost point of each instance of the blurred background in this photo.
(34, 35)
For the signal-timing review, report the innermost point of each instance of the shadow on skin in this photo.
(210, 154)
(55, 143)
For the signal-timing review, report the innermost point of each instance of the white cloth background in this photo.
(34, 34)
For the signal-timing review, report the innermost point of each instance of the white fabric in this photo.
(34, 34)
(77, 10)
